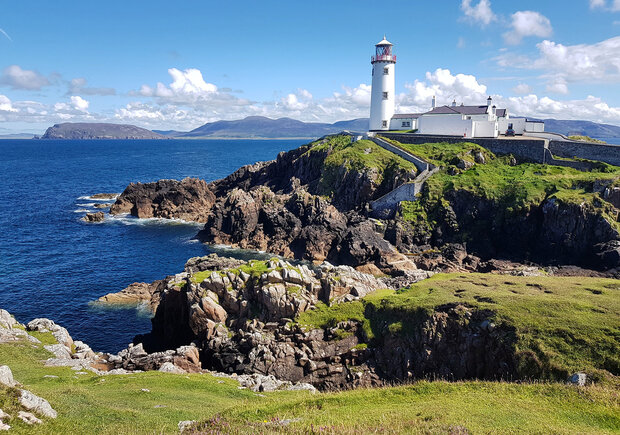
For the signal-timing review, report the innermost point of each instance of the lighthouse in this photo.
(382, 95)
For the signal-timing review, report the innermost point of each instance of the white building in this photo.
(382, 95)
(453, 120)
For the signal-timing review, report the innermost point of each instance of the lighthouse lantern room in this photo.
(382, 94)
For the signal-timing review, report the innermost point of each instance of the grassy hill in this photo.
(155, 402)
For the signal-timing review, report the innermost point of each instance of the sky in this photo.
(177, 65)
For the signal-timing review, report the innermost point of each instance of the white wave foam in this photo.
(89, 204)
(127, 219)
(81, 210)
(90, 198)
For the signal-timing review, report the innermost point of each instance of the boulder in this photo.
(35, 403)
(6, 377)
(28, 418)
(94, 217)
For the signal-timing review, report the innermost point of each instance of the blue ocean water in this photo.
(54, 265)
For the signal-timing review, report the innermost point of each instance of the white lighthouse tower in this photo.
(382, 96)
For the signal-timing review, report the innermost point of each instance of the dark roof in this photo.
(534, 120)
(406, 116)
(500, 112)
(462, 110)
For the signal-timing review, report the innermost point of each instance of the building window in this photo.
(384, 124)
(386, 71)
(406, 124)
(385, 95)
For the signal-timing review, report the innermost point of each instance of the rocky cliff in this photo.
(86, 130)
(312, 203)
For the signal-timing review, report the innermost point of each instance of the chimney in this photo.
(434, 103)
(454, 103)
(489, 101)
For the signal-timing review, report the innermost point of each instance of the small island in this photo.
(86, 130)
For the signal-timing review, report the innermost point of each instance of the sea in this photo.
(54, 265)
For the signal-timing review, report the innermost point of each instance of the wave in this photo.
(90, 198)
(127, 219)
(81, 210)
(89, 205)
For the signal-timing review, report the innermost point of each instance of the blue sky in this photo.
(161, 64)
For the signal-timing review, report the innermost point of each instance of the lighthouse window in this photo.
(385, 95)
(386, 71)
(384, 124)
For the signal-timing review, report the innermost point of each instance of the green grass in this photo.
(115, 404)
(359, 156)
(513, 188)
(434, 408)
(562, 325)
(118, 405)
(586, 139)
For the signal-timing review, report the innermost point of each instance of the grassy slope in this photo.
(516, 187)
(358, 156)
(117, 404)
(569, 324)
(437, 407)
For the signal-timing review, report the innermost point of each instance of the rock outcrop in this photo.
(240, 320)
(301, 205)
(189, 199)
(136, 293)
(94, 217)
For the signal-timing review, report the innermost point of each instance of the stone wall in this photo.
(604, 153)
(419, 163)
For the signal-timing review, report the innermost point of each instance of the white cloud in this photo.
(522, 88)
(613, 5)
(461, 42)
(480, 13)
(79, 103)
(446, 87)
(18, 78)
(6, 105)
(297, 101)
(583, 62)
(557, 85)
(527, 23)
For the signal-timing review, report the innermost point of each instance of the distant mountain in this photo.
(584, 128)
(86, 130)
(262, 127)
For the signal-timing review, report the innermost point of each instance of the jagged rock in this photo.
(6, 377)
(94, 217)
(6, 320)
(136, 293)
(60, 351)
(185, 425)
(35, 403)
(168, 367)
(46, 325)
(189, 199)
(103, 205)
(28, 418)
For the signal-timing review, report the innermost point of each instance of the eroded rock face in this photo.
(189, 199)
(239, 321)
(138, 292)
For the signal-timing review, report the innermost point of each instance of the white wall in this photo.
(451, 125)
(380, 109)
(538, 127)
(485, 129)
(397, 124)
